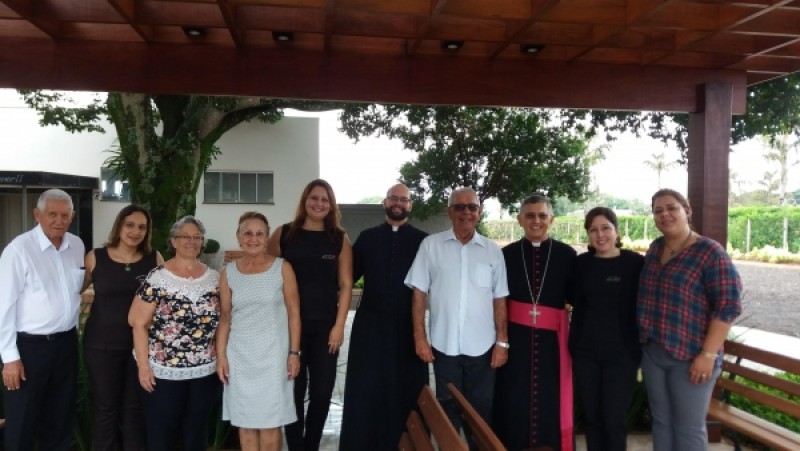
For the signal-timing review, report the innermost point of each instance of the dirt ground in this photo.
(770, 297)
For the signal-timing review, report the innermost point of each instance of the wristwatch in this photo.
(502, 344)
(297, 353)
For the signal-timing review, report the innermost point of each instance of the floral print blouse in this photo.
(181, 338)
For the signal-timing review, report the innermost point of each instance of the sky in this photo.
(368, 168)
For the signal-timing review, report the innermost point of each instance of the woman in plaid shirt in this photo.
(689, 294)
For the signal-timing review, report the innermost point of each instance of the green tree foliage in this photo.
(165, 142)
(773, 109)
(502, 153)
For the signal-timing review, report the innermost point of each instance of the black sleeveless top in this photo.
(114, 288)
(314, 259)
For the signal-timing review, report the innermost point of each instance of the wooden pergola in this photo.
(663, 55)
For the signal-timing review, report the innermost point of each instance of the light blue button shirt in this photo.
(39, 287)
(462, 281)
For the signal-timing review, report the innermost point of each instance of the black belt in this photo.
(46, 337)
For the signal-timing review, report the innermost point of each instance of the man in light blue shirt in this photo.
(462, 275)
(42, 276)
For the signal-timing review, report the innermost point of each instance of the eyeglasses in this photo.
(461, 207)
(402, 200)
(198, 238)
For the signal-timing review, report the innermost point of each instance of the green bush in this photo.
(211, 247)
(767, 413)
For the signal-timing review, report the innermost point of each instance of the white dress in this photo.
(259, 393)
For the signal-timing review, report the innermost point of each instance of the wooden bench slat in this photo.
(439, 424)
(787, 386)
(482, 434)
(417, 434)
(784, 405)
(405, 443)
(768, 358)
(752, 426)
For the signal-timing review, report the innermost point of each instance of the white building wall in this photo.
(289, 149)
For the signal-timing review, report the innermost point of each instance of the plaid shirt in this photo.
(678, 300)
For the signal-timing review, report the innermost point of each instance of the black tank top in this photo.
(114, 288)
(314, 259)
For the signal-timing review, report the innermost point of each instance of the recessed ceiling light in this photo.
(452, 45)
(530, 48)
(194, 32)
(283, 36)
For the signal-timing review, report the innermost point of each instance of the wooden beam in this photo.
(709, 150)
(293, 73)
(228, 12)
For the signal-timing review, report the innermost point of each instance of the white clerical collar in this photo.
(537, 243)
(395, 228)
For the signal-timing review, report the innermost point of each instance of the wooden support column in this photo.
(708, 165)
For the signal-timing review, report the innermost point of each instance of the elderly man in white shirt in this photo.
(41, 274)
(462, 275)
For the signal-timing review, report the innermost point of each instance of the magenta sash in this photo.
(557, 320)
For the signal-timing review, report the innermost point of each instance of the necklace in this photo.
(535, 313)
(674, 251)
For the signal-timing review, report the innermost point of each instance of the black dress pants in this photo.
(605, 383)
(318, 374)
(118, 422)
(42, 410)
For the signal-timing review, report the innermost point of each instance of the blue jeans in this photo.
(678, 407)
(472, 376)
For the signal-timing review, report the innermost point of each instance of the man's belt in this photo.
(557, 320)
(46, 337)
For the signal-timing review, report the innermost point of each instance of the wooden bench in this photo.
(483, 436)
(436, 429)
(746, 423)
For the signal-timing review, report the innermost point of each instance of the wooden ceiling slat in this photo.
(781, 22)
(417, 7)
(228, 12)
(179, 14)
(37, 15)
(127, 10)
(501, 9)
(281, 19)
(351, 23)
(10, 28)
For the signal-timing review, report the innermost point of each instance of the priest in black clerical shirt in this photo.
(384, 374)
(533, 391)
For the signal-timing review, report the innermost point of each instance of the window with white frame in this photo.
(238, 188)
(112, 188)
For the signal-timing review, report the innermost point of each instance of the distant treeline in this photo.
(766, 228)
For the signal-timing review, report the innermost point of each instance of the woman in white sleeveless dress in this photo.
(259, 324)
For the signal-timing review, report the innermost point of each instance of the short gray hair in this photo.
(457, 191)
(173, 231)
(53, 194)
(538, 199)
(188, 219)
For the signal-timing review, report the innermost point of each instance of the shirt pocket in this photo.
(77, 279)
(482, 275)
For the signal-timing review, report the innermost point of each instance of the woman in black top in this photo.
(116, 270)
(320, 254)
(603, 338)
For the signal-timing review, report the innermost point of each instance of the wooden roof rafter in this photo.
(36, 15)
(127, 10)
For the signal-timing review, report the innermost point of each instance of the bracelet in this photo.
(708, 354)
(502, 344)
(297, 353)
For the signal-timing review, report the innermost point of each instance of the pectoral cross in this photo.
(534, 314)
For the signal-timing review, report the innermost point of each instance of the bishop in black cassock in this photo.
(384, 374)
(530, 398)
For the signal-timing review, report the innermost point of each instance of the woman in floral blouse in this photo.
(174, 318)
